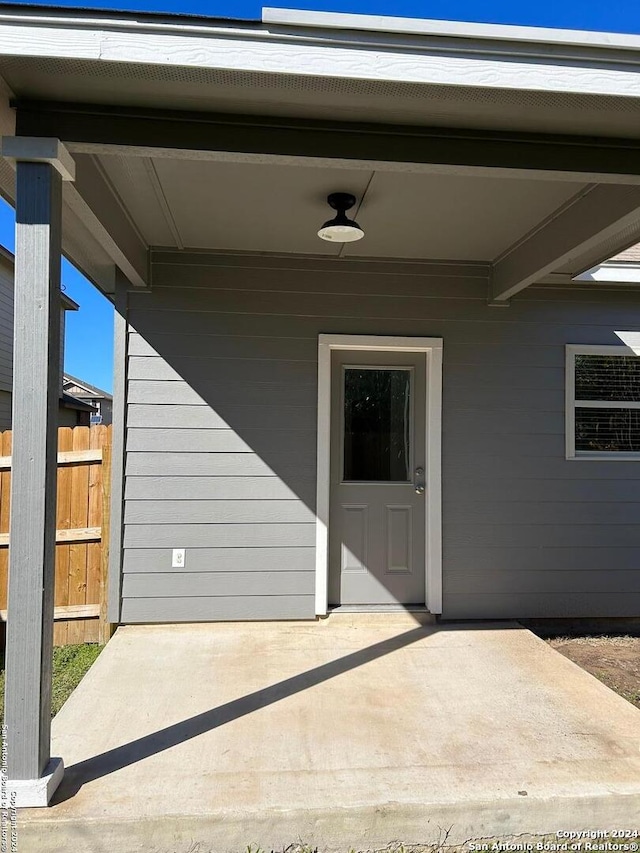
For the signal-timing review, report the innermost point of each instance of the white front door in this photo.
(377, 478)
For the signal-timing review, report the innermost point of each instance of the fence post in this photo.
(105, 629)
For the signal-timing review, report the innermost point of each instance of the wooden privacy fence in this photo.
(82, 526)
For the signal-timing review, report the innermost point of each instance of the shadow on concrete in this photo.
(122, 756)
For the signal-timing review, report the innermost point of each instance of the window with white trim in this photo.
(603, 402)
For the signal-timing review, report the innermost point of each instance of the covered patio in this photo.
(487, 161)
(354, 733)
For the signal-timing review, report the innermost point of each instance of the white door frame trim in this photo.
(432, 347)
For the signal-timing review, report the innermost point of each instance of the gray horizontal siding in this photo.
(551, 605)
(514, 465)
(542, 307)
(242, 417)
(560, 329)
(497, 376)
(506, 355)
(218, 370)
(494, 398)
(167, 488)
(505, 444)
(218, 464)
(221, 438)
(216, 609)
(217, 440)
(218, 535)
(512, 422)
(189, 584)
(197, 394)
(6, 338)
(512, 490)
(304, 278)
(551, 535)
(545, 582)
(474, 562)
(261, 559)
(217, 512)
(283, 348)
(550, 511)
(5, 410)
(226, 346)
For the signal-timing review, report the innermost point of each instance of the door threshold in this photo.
(378, 608)
(380, 616)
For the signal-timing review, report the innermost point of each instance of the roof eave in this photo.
(334, 45)
(451, 29)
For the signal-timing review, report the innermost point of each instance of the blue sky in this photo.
(89, 347)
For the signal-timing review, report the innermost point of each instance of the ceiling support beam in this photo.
(93, 200)
(601, 215)
(100, 129)
(89, 198)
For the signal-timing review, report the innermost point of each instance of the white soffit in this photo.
(324, 98)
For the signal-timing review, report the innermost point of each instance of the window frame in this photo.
(571, 351)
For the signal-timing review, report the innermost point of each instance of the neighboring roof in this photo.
(68, 303)
(629, 256)
(71, 402)
(91, 390)
(623, 268)
(9, 258)
(6, 256)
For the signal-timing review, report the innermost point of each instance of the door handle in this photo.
(419, 487)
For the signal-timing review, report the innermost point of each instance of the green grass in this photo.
(70, 665)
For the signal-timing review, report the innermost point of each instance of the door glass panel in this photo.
(377, 424)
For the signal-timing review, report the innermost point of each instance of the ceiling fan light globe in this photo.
(343, 233)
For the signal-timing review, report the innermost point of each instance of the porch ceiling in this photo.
(276, 208)
(228, 135)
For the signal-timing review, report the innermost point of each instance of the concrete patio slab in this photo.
(355, 731)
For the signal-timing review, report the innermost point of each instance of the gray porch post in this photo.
(32, 774)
